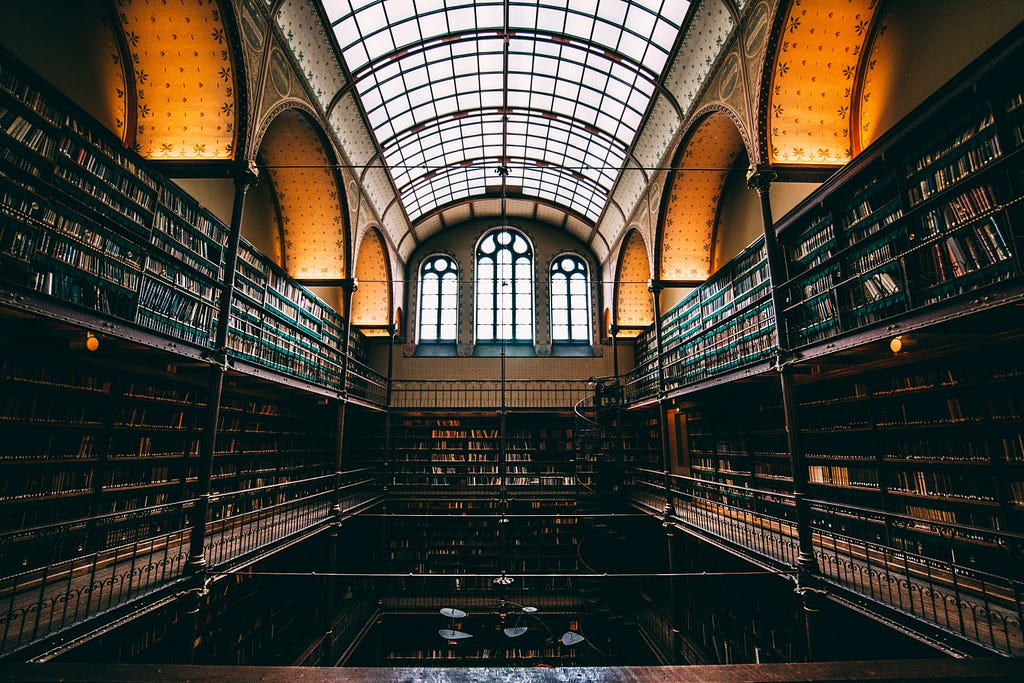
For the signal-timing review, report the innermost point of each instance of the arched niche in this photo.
(371, 302)
(634, 305)
(904, 65)
(184, 80)
(813, 82)
(298, 166)
(692, 197)
(76, 46)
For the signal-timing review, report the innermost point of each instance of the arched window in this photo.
(504, 287)
(439, 299)
(570, 300)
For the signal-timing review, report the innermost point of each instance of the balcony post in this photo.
(245, 177)
(808, 584)
(656, 287)
(348, 287)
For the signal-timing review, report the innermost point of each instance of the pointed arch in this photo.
(185, 81)
(634, 305)
(812, 84)
(309, 195)
(692, 197)
(371, 302)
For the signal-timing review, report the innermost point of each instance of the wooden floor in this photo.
(916, 671)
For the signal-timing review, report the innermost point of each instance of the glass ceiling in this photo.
(435, 80)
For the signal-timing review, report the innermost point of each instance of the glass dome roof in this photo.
(554, 92)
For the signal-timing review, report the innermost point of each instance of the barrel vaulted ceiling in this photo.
(457, 92)
(460, 92)
(581, 102)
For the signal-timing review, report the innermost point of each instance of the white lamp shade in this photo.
(449, 634)
(572, 638)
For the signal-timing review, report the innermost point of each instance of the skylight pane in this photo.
(571, 105)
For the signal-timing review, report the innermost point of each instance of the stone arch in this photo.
(692, 196)
(295, 158)
(371, 302)
(812, 81)
(634, 305)
(187, 88)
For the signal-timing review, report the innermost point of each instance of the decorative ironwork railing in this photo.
(926, 570)
(362, 381)
(563, 394)
(148, 549)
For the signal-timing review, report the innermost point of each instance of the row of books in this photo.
(943, 483)
(87, 261)
(137, 213)
(842, 475)
(970, 161)
(28, 133)
(816, 241)
(113, 177)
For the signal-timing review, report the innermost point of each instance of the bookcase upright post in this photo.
(760, 180)
(656, 287)
(197, 562)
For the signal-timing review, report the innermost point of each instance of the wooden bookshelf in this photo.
(114, 237)
(278, 324)
(462, 452)
(81, 440)
(736, 437)
(725, 324)
(927, 216)
(263, 439)
(933, 440)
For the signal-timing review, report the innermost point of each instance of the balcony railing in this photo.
(47, 599)
(60, 593)
(561, 394)
(363, 382)
(928, 571)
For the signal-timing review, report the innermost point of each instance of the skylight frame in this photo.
(431, 78)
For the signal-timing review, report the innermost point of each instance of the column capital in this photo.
(655, 286)
(760, 178)
(246, 174)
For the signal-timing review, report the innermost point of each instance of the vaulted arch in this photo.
(814, 79)
(309, 196)
(371, 302)
(693, 195)
(184, 80)
(634, 305)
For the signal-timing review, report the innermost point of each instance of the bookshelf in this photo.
(114, 237)
(265, 439)
(461, 453)
(280, 325)
(725, 324)
(935, 441)
(111, 236)
(926, 217)
(736, 436)
(82, 439)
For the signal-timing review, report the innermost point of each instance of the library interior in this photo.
(521, 340)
